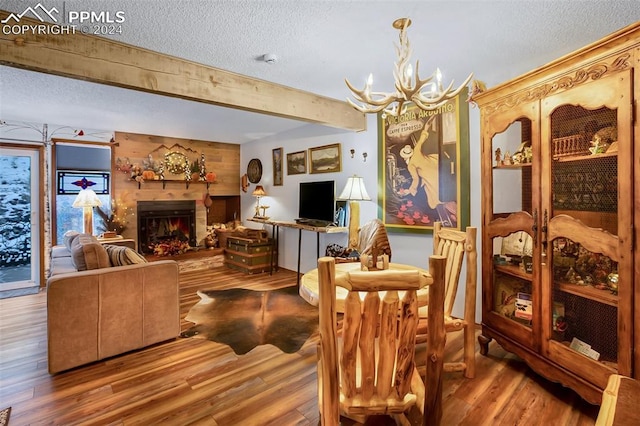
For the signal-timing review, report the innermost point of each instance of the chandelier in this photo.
(427, 94)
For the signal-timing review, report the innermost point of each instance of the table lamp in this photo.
(258, 193)
(353, 192)
(87, 200)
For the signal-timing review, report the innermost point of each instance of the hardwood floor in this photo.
(194, 381)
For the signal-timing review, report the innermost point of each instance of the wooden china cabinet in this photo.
(561, 195)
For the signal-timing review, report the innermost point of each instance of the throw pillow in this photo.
(68, 238)
(87, 253)
(122, 255)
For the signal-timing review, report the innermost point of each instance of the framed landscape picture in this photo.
(297, 163)
(423, 168)
(325, 159)
(277, 166)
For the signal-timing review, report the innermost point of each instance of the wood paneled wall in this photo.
(221, 158)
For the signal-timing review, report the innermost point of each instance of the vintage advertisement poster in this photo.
(424, 167)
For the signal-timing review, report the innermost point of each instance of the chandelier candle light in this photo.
(427, 94)
(353, 192)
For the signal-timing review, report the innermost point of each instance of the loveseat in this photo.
(96, 310)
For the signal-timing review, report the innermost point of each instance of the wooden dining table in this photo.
(309, 285)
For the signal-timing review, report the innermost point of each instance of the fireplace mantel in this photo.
(221, 158)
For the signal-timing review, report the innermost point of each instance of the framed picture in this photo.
(277, 166)
(424, 168)
(325, 159)
(297, 163)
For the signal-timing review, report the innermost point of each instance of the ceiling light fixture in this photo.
(427, 94)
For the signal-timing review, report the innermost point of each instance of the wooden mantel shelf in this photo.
(186, 182)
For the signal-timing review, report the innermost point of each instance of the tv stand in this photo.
(325, 228)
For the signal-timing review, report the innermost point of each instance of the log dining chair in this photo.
(369, 368)
(456, 246)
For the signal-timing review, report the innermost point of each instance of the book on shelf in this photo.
(524, 306)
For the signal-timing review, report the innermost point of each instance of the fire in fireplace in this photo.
(166, 223)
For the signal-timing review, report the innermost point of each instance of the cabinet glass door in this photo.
(510, 296)
(585, 252)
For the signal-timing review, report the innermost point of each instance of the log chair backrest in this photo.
(456, 246)
(379, 384)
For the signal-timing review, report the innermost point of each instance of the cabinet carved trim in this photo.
(503, 226)
(580, 76)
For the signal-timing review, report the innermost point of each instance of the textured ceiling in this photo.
(318, 44)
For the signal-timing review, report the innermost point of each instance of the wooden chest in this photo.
(251, 256)
(249, 246)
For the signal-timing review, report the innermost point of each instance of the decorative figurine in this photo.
(507, 159)
(612, 282)
(160, 173)
(498, 157)
(264, 211)
(187, 171)
(203, 169)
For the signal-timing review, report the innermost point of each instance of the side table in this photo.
(119, 241)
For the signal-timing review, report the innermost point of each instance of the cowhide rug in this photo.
(244, 319)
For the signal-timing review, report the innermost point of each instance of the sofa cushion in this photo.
(68, 238)
(87, 253)
(122, 255)
(61, 265)
(60, 251)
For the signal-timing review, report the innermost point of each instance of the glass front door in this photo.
(19, 221)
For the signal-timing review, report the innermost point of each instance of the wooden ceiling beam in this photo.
(106, 61)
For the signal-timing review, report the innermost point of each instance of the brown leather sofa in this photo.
(106, 310)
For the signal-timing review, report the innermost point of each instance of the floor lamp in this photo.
(353, 192)
(87, 200)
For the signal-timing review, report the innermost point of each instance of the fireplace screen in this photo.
(166, 227)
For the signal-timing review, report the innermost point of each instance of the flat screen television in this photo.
(317, 202)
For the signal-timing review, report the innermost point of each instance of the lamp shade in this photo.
(87, 198)
(259, 191)
(354, 190)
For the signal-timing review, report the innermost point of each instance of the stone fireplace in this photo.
(166, 222)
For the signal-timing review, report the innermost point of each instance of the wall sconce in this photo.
(364, 157)
(352, 151)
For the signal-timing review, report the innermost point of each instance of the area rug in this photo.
(4, 416)
(209, 262)
(244, 319)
